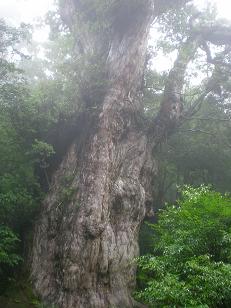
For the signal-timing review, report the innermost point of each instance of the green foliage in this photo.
(9, 255)
(200, 152)
(19, 188)
(11, 36)
(17, 180)
(42, 151)
(179, 23)
(17, 201)
(8, 245)
(191, 260)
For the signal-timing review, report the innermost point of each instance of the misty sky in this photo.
(16, 11)
(28, 11)
(24, 10)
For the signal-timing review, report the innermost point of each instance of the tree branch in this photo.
(171, 105)
(206, 119)
(215, 34)
(161, 6)
(197, 131)
(171, 114)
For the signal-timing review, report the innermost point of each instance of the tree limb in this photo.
(171, 105)
(197, 131)
(215, 34)
(206, 119)
(171, 113)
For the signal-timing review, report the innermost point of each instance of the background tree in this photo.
(20, 191)
(198, 151)
(17, 182)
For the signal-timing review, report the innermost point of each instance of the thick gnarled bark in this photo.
(87, 236)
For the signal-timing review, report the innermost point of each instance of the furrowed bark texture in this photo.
(87, 235)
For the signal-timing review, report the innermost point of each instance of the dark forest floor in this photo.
(19, 295)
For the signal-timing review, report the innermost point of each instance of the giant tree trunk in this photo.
(86, 238)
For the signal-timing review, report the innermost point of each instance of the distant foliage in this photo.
(42, 151)
(190, 265)
(19, 188)
(8, 244)
(9, 256)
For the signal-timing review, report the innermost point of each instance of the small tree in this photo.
(190, 264)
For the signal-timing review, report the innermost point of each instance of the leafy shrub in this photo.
(9, 258)
(42, 151)
(8, 244)
(191, 260)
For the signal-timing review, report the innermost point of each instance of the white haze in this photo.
(28, 11)
(31, 11)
